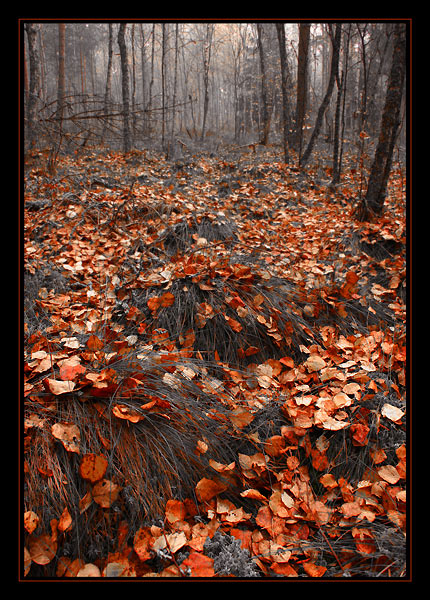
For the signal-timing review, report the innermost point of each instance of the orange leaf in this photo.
(142, 543)
(315, 363)
(105, 493)
(167, 299)
(240, 417)
(42, 549)
(68, 434)
(314, 570)
(235, 325)
(153, 303)
(65, 521)
(200, 565)
(125, 412)
(93, 467)
(175, 511)
(31, 521)
(58, 387)
(359, 434)
(208, 488)
(94, 343)
(389, 473)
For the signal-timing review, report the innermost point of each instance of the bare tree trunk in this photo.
(163, 85)
(206, 65)
(108, 87)
(61, 71)
(302, 84)
(390, 121)
(285, 113)
(175, 82)
(324, 104)
(125, 87)
(34, 84)
(339, 126)
(264, 138)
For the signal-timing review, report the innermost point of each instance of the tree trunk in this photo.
(206, 65)
(285, 116)
(340, 114)
(333, 70)
(377, 185)
(107, 98)
(302, 84)
(61, 71)
(264, 138)
(34, 84)
(125, 88)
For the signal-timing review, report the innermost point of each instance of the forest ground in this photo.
(319, 493)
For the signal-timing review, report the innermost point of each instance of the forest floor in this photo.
(232, 304)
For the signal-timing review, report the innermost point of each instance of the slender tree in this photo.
(302, 84)
(108, 86)
(377, 185)
(264, 99)
(61, 71)
(324, 104)
(34, 83)
(284, 77)
(207, 51)
(125, 87)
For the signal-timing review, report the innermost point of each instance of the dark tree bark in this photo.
(339, 123)
(377, 185)
(285, 113)
(264, 101)
(324, 104)
(125, 88)
(302, 84)
(34, 84)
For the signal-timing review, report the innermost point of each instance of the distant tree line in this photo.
(133, 85)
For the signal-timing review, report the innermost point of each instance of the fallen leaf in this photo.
(68, 434)
(58, 387)
(89, 570)
(199, 564)
(389, 473)
(31, 521)
(93, 467)
(208, 488)
(175, 511)
(392, 412)
(315, 363)
(65, 521)
(105, 493)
